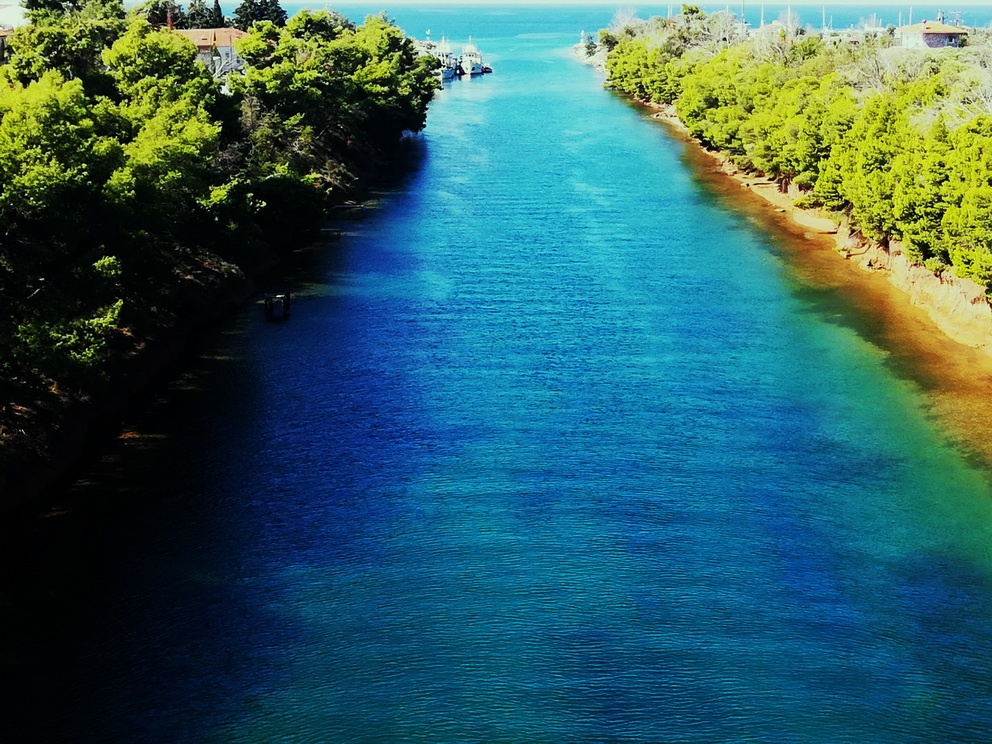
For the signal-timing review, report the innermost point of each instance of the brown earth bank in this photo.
(959, 307)
(934, 330)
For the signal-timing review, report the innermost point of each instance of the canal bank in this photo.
(937, 327)
(958, 307)
(946, 353)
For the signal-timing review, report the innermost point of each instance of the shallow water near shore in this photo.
(563, 442)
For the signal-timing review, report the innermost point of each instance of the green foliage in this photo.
(367, 80)
(162, 13)
(254, 11)
(199, 16)
(865, 158)
(72, 47)
(217, 19)
(967, 221)
(131, 188)
(152, 68)
(76, 347)
(641, 69)
(899, 140)
(920, 173)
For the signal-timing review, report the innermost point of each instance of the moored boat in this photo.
(441, 51)
(471, 60)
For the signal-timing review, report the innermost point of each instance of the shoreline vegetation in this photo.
(886, 150)
(141, 192)
(959, 307)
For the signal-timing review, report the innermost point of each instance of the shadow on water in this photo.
(308, 267)
(82, 585)
(145, 571)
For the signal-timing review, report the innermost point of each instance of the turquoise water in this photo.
(555, 447)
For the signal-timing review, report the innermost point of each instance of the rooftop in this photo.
(932, 27)
(211, 37)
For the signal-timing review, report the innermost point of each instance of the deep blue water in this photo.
(555, 447)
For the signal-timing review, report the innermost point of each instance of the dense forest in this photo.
(897, 141)
(137, 190)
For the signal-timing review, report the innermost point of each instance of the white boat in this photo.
(441, 52)
(449, 65)
(471, 60)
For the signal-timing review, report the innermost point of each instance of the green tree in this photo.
(199, 16)
(173, 139)
(162, 13)
(920, 173)
(61, 313)
(217, 16)
(252, 11)
(130, 189)
(967, 222)
(71, 44)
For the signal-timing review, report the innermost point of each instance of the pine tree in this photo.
(271, 10)
(198, 16)
(160, 12)
(245, 14)
(217, 16)
(258, 10)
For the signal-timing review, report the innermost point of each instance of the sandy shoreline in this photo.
(958, 307)
(934, 330)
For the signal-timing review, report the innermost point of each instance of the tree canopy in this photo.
(897, 140)
(253, 11)
(133, 188)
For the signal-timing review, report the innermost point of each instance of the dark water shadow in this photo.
(124, 592)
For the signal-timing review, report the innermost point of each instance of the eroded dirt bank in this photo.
(958, 307)
(934, 331)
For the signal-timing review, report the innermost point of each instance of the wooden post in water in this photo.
(284, 300)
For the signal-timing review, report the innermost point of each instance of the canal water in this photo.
(555, 447)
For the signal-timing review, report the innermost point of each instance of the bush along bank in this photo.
(893, 144)
(138, 192)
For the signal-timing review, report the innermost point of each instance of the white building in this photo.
(215, 48)
(931, 35)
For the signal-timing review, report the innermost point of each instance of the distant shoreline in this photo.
(958, 307)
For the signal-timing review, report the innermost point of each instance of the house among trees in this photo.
(215, 48)
(931, 35)
(11, 17)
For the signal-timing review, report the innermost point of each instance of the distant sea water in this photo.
(559, 444)
(448, 18)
